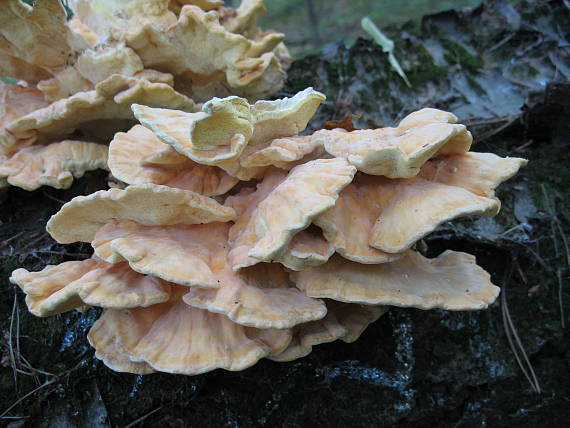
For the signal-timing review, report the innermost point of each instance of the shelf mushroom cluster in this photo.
(238, 239)
(76, 79)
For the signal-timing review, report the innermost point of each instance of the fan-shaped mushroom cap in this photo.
(240, 66)
(307, 248)
(176, 338)
(272, 120)
(71, 285)
(261, 233)
(102, 337)
(158, 44)
(17, 101)
(413, 208)
(219, 134)
(138, 157)
(259, 296)
(391, 215)
(35, 42)
(191, 250)
(425, 116)
(284, 117)
(113, 19)
(90, 68)
(111, 99)
(451, 281)
(285, 153)
(479, 173)
(399, 152)
(270, 41)
(241, 238)
(147, 204)
(173, 128)
(253, 78)
(245, 17)
(224, 119)
(54, 165)
(344, 321)
(348, 225)
(198, 34)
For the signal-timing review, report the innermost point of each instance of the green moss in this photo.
(551, 194)
(457, 54)
(422, 68)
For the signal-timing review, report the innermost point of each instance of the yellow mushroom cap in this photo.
(147, 204)
(190, 250)
(53, 165)
(103, 338)
(223, 130)
(259, 296)
(451, 281)
(399, 152)
(261, 233)
(196, 256)
(173, 337)
(71, 285)
(111, 99)
(36, 41)
(138, 157)
(247, 67)
(376, 218)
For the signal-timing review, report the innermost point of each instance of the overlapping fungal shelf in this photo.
(75, 80)
(238, 239)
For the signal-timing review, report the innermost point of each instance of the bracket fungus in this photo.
(228, 127)
(195, 275)
(211, 50)
(53, 165)
(79, 77)
(138, 157)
